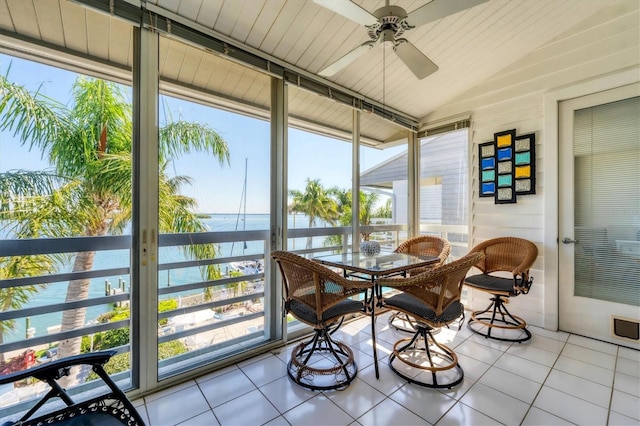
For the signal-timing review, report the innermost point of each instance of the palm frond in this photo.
(33, 118)
(111, 174)
(100, 124)
(63, 212)
(182, 137)
(177, 215)
(26, 183)
(23, 266)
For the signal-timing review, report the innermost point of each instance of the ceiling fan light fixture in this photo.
(387, 39)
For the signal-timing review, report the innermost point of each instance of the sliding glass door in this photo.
(213, 211)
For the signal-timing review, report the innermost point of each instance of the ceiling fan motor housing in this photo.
(390, 26)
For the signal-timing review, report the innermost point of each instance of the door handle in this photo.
(566, 240)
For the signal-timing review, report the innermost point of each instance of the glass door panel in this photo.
(214, 219)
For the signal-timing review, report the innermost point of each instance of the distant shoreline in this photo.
(204, 215)
(231, 213)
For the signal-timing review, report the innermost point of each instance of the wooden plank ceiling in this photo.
(469, 47)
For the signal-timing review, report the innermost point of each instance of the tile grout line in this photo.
(260, 391)
(459, 400)
(613, 384)
(542, 386)
(208, 404)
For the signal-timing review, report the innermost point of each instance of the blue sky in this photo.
(217, 188)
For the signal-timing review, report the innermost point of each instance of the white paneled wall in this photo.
(606, 43)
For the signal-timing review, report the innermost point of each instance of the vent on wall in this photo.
(626, 328)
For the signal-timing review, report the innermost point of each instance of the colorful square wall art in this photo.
(507, 166)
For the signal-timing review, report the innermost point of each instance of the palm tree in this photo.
(384, 211)
(15, 297)
(343, 199)
(367, 203)
(314, 202)
(89, 146)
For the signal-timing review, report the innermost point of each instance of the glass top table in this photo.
(374, 266)
(357, 265)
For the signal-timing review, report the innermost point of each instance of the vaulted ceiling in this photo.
(468, 47)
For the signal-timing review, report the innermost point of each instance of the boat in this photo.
(248, 267)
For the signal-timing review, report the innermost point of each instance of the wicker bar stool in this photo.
(424, 245)
(432, 300)
(319, 297)
(509, 255)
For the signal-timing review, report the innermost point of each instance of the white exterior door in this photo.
(599, 217)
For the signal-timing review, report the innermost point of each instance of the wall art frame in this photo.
(506, 166)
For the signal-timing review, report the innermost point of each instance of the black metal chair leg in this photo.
(445, 353)
(331, 345)
(505, 321)
(397, 320)
(301, 367)
(314, 342)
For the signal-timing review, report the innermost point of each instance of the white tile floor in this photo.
(554, 379)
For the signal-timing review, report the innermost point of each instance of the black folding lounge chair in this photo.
(108, 408)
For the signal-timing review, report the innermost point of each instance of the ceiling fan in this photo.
(387, 24)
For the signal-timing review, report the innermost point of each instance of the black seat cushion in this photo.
(490, 283)
(307, 314)
(412, 305)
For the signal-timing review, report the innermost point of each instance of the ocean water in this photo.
(55, 293)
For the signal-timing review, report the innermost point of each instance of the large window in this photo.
(444, 189)
(318, 170)
(384, 200)
(320, 178)
(65, 220)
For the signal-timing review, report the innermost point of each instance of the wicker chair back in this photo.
(426, 245)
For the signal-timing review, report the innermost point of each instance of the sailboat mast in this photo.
(244, 194)
(243, 202)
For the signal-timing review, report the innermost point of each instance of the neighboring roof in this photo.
(383, 175)
(436, 161)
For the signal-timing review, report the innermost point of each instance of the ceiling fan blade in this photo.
(349, 10)
(438, 9)
(415, 60)
(347, 59)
